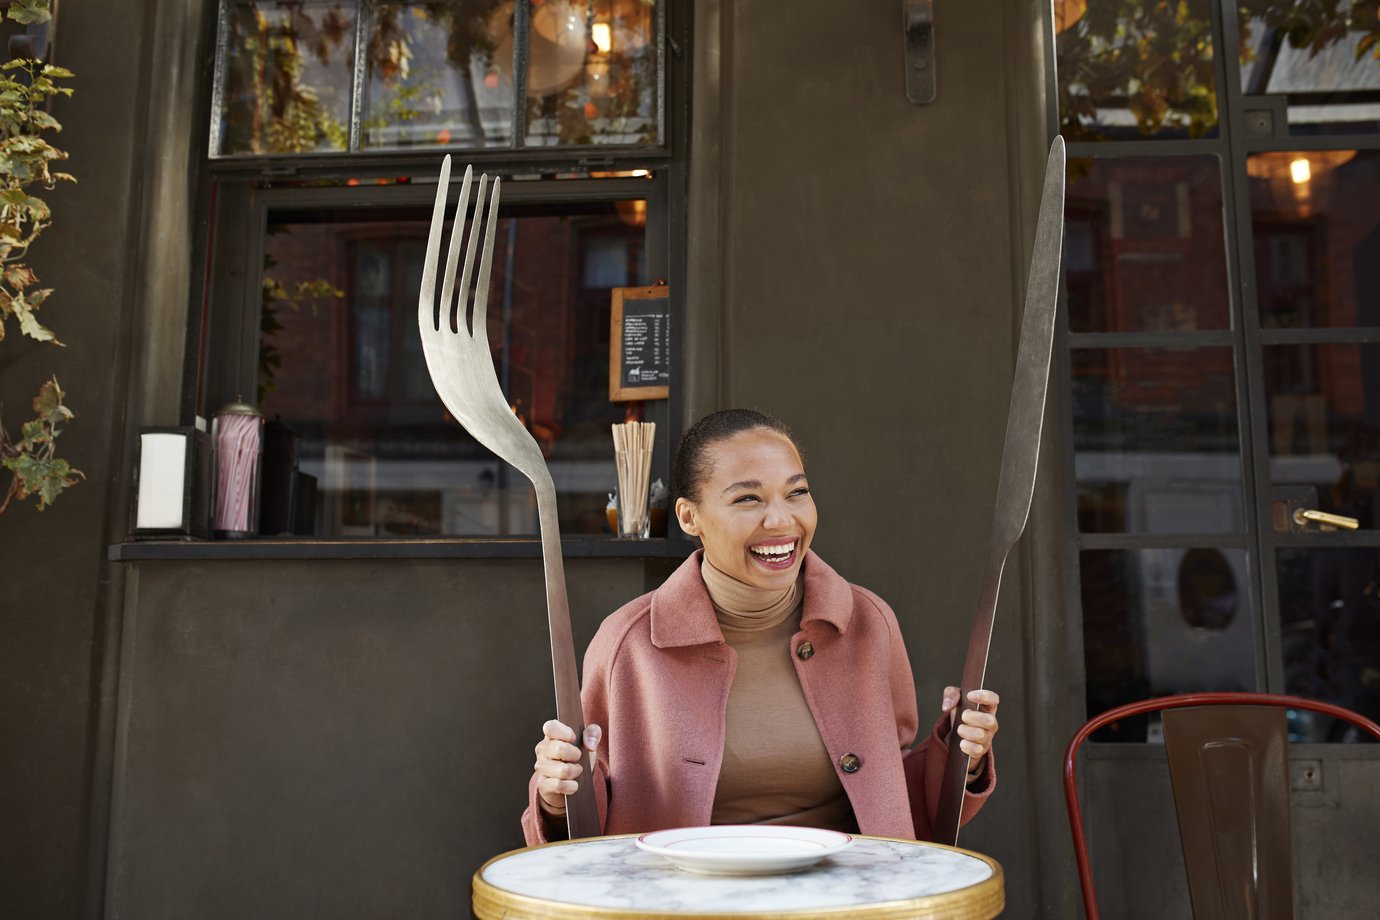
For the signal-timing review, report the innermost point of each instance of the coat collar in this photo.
(683, 615)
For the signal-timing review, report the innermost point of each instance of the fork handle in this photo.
(581, 809)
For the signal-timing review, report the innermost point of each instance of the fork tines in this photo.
(456, 307)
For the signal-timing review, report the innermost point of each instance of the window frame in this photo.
(235, 194)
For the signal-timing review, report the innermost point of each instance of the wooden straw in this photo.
(632, 446)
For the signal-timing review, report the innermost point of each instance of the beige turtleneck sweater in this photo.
(776, 769)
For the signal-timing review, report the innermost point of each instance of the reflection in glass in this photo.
(1143, 245)
(592, 73)
(1155, 441)
(1330, 619)
(1161, 621)
(1324, 417)
(288, 73)
(433, 78)
(1317, 237)
(1321, 57)
(1129, 69)
(343, 366)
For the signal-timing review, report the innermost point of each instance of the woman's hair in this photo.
(693, 464)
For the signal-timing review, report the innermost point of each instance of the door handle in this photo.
(1302, 516)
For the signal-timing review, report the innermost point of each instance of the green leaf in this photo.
(29, 12)
(58, 478)
(48, 402)
(46, 477)
(28, 323)
(35, 432)
(38, 207)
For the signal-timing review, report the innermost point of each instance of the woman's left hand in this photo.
(979, 725)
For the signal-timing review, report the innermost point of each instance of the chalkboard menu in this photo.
(640, 344)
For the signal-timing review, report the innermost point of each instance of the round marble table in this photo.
(609, 877)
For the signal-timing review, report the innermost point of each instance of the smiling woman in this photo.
(756, 686)
(746, 497)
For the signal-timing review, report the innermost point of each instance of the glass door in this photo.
(1309, 95)
(1222, 262)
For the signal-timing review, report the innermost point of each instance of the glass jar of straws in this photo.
(237, 433)
(632, 450)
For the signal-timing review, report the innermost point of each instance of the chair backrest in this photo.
(1228, 762)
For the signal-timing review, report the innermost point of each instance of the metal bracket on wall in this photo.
(917, 22)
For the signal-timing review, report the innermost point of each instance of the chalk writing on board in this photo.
(644, 350)
(640, 358)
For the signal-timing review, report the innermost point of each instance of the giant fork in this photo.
(462, 370)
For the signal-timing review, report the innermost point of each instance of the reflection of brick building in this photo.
(1317, 255)
(1146, 253)
(351, 375)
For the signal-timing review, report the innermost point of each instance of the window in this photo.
(1219, 263)
(329, 120)
(326, 76)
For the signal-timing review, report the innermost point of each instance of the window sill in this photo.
(572, 547)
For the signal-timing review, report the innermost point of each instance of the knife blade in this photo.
(1020, 453)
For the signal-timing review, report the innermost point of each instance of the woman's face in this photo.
(755, 515)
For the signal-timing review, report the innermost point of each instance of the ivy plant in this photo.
(26, 164)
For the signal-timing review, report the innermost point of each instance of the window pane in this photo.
(1330, 621)
(1317, 237)
(1143, 245)
(1155, 441)
(1319, 57)
(1325, 429)
(593, 73)
(436, 77)
(1161, 621)
(288, 76)
(1129, 69)
(341, 363)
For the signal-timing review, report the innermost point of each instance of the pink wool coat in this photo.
(657, 676)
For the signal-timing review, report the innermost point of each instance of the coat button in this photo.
(806, 651)
(850, 763)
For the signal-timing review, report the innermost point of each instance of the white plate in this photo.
(745, 849)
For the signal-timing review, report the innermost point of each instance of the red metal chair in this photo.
(1235, 833)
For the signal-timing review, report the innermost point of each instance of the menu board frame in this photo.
(618, 392)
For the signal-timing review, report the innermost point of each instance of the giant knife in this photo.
(1018, 461)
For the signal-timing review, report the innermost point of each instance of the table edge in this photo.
(982, 901)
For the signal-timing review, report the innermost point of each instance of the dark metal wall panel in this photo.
(54, 582)
(331, 739)
(871, 270)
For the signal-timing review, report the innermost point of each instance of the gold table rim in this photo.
(981, 901)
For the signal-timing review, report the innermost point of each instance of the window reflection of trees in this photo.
(436, 73)
(1133, 69)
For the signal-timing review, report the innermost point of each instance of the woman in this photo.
(756, 685)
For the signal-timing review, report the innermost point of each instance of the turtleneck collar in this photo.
(742, 606)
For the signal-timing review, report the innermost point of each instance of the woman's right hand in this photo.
(559, 763)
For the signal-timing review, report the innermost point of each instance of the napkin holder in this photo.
(172, 484)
